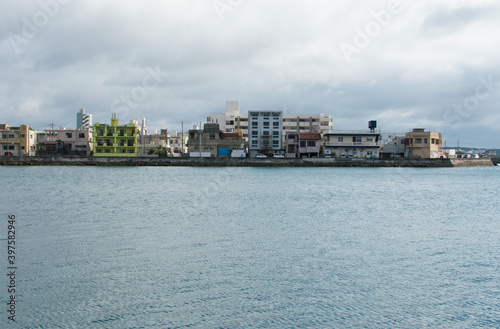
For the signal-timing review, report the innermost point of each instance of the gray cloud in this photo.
(267, 54)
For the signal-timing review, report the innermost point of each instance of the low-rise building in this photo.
(423, 144)
(178, 144)
(292, 142)
(159, 143)
(62, 140)
(353, 143)
(310, 145)
(392, 145)
(115, 139)
(17, 141)
(212, 142)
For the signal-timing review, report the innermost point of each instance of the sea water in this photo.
(189, 247)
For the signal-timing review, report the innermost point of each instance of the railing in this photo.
(348, 144)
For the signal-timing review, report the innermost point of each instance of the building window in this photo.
(212, 137)
(266, 124)
(276, 143)
(276, 134)
(265, 133)
(255, 133)
(311, 143)
(340, 139)
(130, 151)
(99, 150)
(5, 147)
(254, 143)
(426, 141)
(418, 140)
(107, 151)
(356, 139)
(302, 143)
(69, 135)
(276, 124)
(255, 124)
(433, 141)
(100, 132)
(123, 151)
(22, 135)
(437, 141)
(81, 135)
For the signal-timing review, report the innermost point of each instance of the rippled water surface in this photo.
(149, 247)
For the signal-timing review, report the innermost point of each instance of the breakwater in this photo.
(239, 162)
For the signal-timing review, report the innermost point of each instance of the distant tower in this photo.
(83, 120)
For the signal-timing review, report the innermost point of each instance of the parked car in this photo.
(281, 156)
(260, 155)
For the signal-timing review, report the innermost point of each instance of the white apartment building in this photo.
(83, 120)
(233, 121)
(265, 132)
(353, 143)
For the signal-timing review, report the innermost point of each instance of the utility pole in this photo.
(200, 138)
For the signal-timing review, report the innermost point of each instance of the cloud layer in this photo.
(405, 64)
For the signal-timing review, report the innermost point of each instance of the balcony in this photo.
(352, 144)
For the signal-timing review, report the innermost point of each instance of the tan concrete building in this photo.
(213, 141)
(421, 144)
(149, 143)
(16, 141)
(66, 140)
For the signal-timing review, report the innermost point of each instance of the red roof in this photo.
(311, 136)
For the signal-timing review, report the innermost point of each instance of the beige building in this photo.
(421, 144)
(155, 141)
(16, 141)
(66, 140)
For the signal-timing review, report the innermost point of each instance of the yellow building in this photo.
(423, 144)
(115, 140)
(16, 141)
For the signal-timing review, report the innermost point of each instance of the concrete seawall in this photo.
(239, 162)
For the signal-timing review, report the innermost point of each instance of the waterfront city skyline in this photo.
(406, 65)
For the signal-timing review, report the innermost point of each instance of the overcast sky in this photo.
(406, 64)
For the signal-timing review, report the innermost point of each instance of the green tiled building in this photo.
(115, 140)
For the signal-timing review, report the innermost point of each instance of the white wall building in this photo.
(265, 132)
(233, 121)
(83, 120)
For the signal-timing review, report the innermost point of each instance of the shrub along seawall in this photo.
(238, 162)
